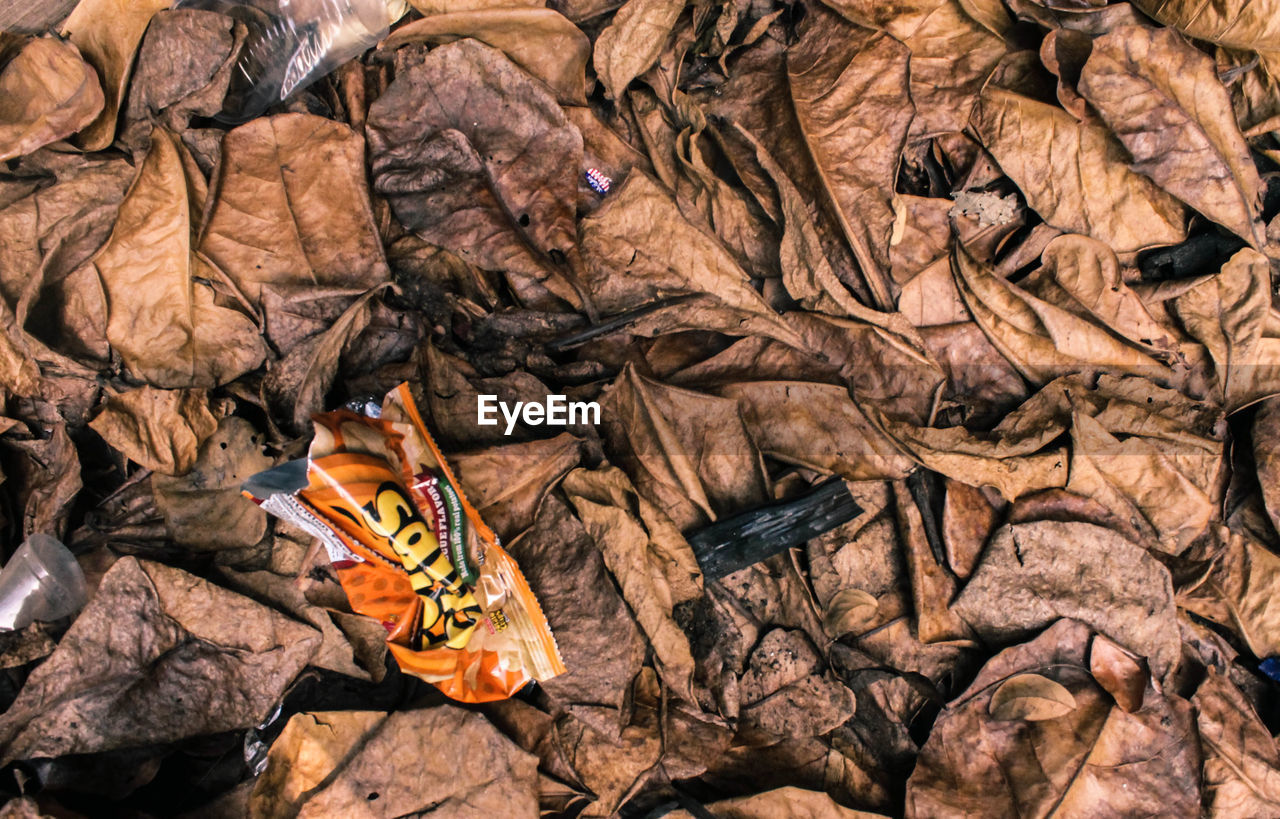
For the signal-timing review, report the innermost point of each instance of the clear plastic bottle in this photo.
(293, 43)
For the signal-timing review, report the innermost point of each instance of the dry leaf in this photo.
(291, 206)
(204, 508)
(1091, 760)
(47, 93)
(692, 454)
(1030, 697)
(162, 315)
(1227, 314)
(157, 656)
(1235, 23)
(1241, 592)
(848, 612)
(507, 483)
(632, 41)
(1162, 98)
(1075, 176)
(161, 430)
(367, 764)
(849, 88)
(475, 156)
(1123, 676)
(968, 519)
(1034, 573)
(639, 248)
(816, 426)
(1266, 453)
(108, 32)
(1241, 758)
(602, 646)
(652, 563)
(541, 41)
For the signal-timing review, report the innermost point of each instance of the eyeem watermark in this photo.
(557, 411)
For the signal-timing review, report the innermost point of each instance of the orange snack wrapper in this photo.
(412, 552)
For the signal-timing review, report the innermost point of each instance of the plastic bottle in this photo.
(42, 581)
(293, 43)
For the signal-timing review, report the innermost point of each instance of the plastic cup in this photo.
(42, 581)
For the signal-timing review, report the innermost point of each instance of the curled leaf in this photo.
(1031, 697)
(46, 93)
(849, 611)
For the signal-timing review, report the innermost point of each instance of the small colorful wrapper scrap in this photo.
(411, 551)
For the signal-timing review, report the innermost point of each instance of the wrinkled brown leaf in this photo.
(157, 656)
(1090, 760)
(541, 41)
(108, 32)
(161, 430)
(1034, 573)
(633, 41)
(291, 206)
(1072, 173)
(203, 508)
(163, 317)
(475, 156)
(1163, 99)
(46, 93)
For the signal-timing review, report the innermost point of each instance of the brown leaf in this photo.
(157, 656)
(108, 32)
(632, 42)
(692, 454)
(296, 385)
(849, 88)
(539, 40)
(46, 236)
(782, 803)
(968, 519)
(1162, 98)
(849, 611)
(816, 426)
(1034, 573)
(1092, 760)
(161, 430)
(1266, 453)
(282, 592)
(1015, 457)
(652, 563)
(1241, 592)
(47, 481)
(204, 508)
(184, 68)
(47, 93)
(162, 316)
(602, 646)
(1227, 314)
(1030, 697)
(1122, 675)
(952, 54)
(507, 483)
(1075, 176)
(638, 248)
(291, 206)
(1241, 761)
(1041, 339)
(1235, 23)
(477, 157)
(932, 585)
(345, 763)
(1083, 276)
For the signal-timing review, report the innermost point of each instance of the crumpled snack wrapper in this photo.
(412, 552)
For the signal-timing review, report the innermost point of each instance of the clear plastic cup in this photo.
(42, 581)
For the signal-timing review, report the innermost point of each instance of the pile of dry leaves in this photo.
(1007, 269)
